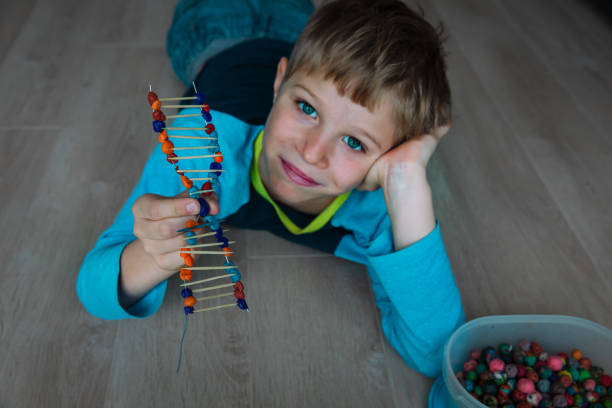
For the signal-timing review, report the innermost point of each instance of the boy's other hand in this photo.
(157, 220)
(403, 160)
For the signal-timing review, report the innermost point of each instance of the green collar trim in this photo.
(315, 224)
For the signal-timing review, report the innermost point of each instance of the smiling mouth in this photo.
(296, 176)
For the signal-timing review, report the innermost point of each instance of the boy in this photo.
(357, 112)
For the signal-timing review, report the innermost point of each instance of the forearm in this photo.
(409, 203)
(139, 274)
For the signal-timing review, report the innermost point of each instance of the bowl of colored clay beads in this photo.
(523, 361)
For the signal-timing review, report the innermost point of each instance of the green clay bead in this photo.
(505, 348)
(584, 374)
(471, 375)
(596, 405)
(606, 401)
(544, 373)
(481, 368)
(512, 383)
(478, 390)
(578, 400)
(530, 360)
(574, 372)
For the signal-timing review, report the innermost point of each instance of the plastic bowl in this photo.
(555, 333)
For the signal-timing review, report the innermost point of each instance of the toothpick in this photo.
(200, 171)
(204, 252)
(208, 279)
(205, 156)
(183, 98)
(184, 128)
(182, 106)
(214, 307)
(194, 148)
(214, 296)
(201, 191)
(207, 245)
(210, 268)
(193, 137)
(227, 285)
(206, 234)
(185, 115)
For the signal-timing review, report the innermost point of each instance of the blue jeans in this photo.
(202, 29)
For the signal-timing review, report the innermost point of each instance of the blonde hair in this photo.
(371, 49)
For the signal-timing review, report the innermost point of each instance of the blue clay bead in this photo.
(212, 223)
(191, 241)
(224, 242)
(242, 304)
(469, 385)
(235, 277)
(200, 97)
(204, 207)
(207, 116)
(216, 166)
(188, 309)
(158, 125)
(186, 292)
(219, 233)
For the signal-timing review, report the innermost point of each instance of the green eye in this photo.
(307, 109)
(353, 143)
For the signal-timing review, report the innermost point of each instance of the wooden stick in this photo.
(186, 115)
(209, 268)
(199, 171)
(214, 307)
(201, 191)
(204, 252)
(207, 279)
(227, 285)
(214, 296)
(207, 245)
(204, 156)
(200, 179)
(193, 137)
(194, 147)
(181, 106)
(185, 128)
(206, 234)
(182, 98)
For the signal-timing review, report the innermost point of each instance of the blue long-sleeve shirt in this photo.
(414, 288)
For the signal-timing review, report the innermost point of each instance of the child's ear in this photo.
(281, 68)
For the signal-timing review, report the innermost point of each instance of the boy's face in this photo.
(318, 144)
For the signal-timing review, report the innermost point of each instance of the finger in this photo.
(155, 207)
(171, 261)
(163, 246)
(160, 230)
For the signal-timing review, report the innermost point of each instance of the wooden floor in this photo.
(522, 189)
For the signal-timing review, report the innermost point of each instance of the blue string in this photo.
(181, 347)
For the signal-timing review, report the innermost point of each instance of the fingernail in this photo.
(192, 208)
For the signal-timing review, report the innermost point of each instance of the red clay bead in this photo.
(239, 294)
(206, 107)
(159, 115)
(584, 363)
(239, 286)
(152, 97)
(536, 348)
(169, 158)
(209, 128)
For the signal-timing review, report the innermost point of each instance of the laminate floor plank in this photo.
(545, 119)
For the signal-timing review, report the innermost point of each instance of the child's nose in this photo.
(316, 150)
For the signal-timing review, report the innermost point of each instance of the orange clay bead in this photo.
(163, 136)
(186, 274)
(156, 105)
(190, 301)
(218, 157)
(188, 260)
(228, 252)
(183, 253)
(167, 147)
(190, 223)
(186, 182)
(577, 354)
